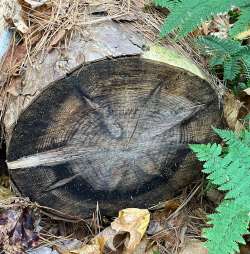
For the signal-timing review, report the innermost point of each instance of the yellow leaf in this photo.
(135, 222)
(5, 193)
(106, 238)
(243, 35)
(131, 220)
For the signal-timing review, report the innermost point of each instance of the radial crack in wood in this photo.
(115, 131)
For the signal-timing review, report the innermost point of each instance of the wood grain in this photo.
(115, 132)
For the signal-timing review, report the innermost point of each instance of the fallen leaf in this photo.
(220, 26)
(13, 59)
(5, 193)
(245, 110)
(5, 181)
(132, 221)
(135, 222)
(106, 238)
(194, 247)
(171, 206)
(18, 228)
(243, 35)
(65, 246)
(232, 108)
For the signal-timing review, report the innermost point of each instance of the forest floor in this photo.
(172, 227)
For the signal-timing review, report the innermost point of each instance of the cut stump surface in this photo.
(115, 131)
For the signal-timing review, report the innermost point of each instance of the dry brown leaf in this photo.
(232, 108)
(135, 222)
(14, 59)
(171, 206)
(19, 227)
(194, 247)
(106, 238)
(220, 26)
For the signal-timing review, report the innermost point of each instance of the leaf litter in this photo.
(166, 228)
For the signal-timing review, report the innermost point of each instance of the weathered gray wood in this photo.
(96, 42)
(115, 131)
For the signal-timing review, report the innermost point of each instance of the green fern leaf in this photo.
(230, 171)
(245, 57)
(187, 15)
(243, 23)
(234, 57)
(169, 4)
(218, 46)
(232, 68)
(229, 224)
(216, 60)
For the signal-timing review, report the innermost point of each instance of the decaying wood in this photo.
(108, 120)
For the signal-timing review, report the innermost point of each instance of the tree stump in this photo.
(114, 131)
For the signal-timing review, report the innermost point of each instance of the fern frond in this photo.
(187, 15)
(207, 152)
(232, 139)
(232, 68)
(229, 224)
(230, 171)
(243, 23)
(245, 57)
(234, 57)
(169, 4)
(216, 60)
(215, 45)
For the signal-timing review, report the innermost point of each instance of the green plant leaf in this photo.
(187, 15)
(243, 22)
(230, 171)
